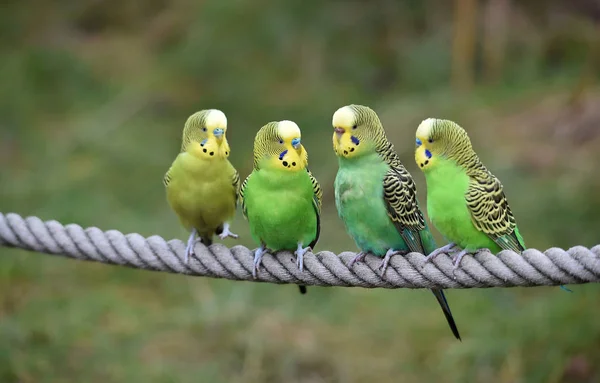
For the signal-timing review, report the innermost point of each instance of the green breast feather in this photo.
(280, 208)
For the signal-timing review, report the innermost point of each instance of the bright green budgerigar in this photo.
(202, 185)
(376, 196)
(465, 201)
(280, 198)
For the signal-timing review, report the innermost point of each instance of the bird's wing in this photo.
(235, 181)
(317, 201)
(490, 212)
(167, 178)
(400, 197)
(241, 195)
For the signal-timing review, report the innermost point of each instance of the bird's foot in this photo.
(300, 256)
(189, 249)
(386, 260)
(360, 257)
(189, 252)
(436, 252)
(258, 253)
(458, 257)
(227, 233)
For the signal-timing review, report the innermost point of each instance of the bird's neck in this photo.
(446, 172)
(277, 178)
(360, 161)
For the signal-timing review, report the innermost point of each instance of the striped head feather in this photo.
(358, 131)
(204, 134)
(278, 145)
(437, 138)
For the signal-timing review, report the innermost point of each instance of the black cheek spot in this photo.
(421, 165)
(351, 149)
(204, 150)
(226, 153)
(426, 162)
(345, 152)
(293, 164)
(212, 153)
(285, 163)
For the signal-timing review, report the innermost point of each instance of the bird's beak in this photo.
(339, 132)
(218, 133)
(296, 143)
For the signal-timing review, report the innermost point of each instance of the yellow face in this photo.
(214, 144)
(426, 145)
(289, 154)
(346, 133)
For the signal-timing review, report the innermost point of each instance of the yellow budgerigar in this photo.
(202, 185)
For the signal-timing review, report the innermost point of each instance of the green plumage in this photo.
(375, 195)
(447, 188)
(281, 199)
(465, 201)
(280, 209)
(359, 198)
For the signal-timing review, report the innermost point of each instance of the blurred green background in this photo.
(93, 98)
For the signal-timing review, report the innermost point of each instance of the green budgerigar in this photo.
(465, 201)
(202, 185)
(281, 199)
(376, 196)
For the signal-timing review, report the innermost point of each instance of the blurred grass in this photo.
(93, 100)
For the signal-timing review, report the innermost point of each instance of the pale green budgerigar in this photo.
(201, 184)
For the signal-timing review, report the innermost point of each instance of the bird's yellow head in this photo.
(204, 135)
(278, 145)
(437, 139)
(356, 131)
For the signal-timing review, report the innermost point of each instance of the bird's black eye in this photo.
(430, 140)
(281, 141)
(204, 129)
(355, 126)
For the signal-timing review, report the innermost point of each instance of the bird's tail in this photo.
(441, 298)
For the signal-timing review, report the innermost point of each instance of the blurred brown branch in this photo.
(495, 36)
(463, 44)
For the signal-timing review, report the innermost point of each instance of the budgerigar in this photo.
(202, 185)
(465, 201)
(280, 198)
(376, 196)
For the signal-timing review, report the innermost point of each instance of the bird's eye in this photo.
(430, 140)
(204, 129)
(281, 141)
(418, 142)
(355, 126)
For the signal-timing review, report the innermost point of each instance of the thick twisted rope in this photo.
(508, 269)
